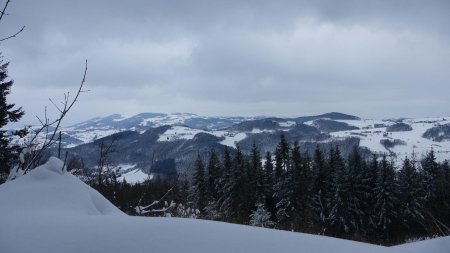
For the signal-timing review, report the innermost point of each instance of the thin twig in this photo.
(14, 35)
(4, 9)
(50, 140)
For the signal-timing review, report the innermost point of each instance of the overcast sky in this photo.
(374, 59)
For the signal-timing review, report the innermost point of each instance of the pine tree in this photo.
(199, 185)
(430, 171)
(358, 190)
(268, 176)
(411, 195)
(255, 177)
(386, 199)
(341, 217)
(213, 186)
(281, 158)
(8, 113)
(322, 189)
(224, 184)
(281, 183)
(370, 176)
(437, 205)
(213, 175)
(299, 190)
(234, 199)
(260, 217)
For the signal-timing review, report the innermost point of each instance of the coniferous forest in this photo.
(360, 198)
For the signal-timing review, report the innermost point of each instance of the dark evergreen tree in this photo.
(268, 178)
(411, 196)
(8, 113)
(436, 205)
(213, 186)
(199, 185)
(281, 186)
(430, 171)
(234, 201)
(255, 176)
(370, 177)
(358, 190)
(322, 190)
(224, 183)
(341, 217)
(299, 191)
(386, 200)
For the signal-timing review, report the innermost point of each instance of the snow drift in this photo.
(49, 210)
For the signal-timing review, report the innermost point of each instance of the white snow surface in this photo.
(232, 138)
(175, 133)
(414, 142)
(436, 245)
(179, 133)
(134, 176)
(48, 210)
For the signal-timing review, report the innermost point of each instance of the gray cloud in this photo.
(371, 58)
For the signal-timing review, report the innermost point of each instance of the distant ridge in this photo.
(330, 115)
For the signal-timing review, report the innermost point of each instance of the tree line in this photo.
(355, 198)
(367, 199)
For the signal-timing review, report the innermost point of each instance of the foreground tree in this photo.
(8, 113)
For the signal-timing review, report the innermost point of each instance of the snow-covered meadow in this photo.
(50, 210)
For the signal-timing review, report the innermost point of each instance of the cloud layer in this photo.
(283, 58)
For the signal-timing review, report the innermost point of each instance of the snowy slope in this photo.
(436, 245)
(51, 211)
(370, 137)
(134, 176)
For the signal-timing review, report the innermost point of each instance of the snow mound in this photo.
(48, 189)
(49, 210)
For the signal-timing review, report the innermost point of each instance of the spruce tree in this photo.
(8, 113)
(281, 182)
(340, 217)
(386, 200)
(224, 184)
(255, 176)
(430, 171)
(261, 217)
(299, 189)
(437, 205)
(370, 179)
(321, 190)
(268, 176)
(199, 185)
(213, 186)
(234, 189)
(358, 190)
(411, 195)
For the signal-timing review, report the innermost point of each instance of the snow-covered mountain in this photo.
(181, 136)
(50, 210)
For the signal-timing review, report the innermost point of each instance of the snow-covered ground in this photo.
(436, 245)
(179, 133)
(370, 137)
(134, 177)
(49, 210)
(232, 138)
(175, 133)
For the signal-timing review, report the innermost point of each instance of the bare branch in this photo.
(14, 35)
(57, 108)
(50, 135)
(4, 9)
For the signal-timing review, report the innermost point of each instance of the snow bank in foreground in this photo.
(48, 210)
(437, 245)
